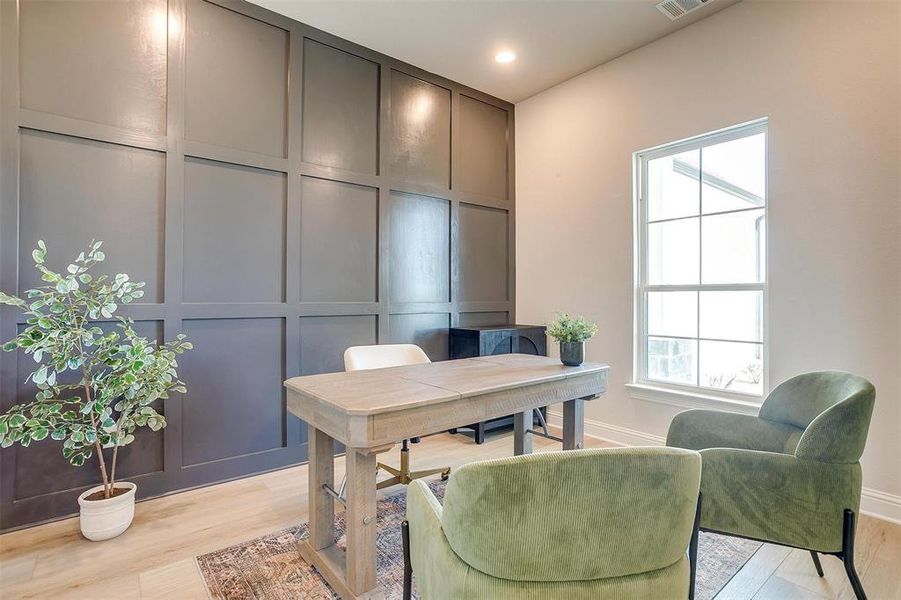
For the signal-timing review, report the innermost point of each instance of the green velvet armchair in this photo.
(600, 523)
(791, 475)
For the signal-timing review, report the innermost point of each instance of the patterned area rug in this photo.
(269, 568)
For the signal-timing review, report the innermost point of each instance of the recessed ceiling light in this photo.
(505, 56)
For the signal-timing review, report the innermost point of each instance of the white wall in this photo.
(828, 77)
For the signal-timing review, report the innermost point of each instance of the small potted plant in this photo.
(572, 333)
(96, 385)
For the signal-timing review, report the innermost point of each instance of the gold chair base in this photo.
(404, 475)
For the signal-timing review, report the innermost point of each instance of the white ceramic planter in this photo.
(105, 519)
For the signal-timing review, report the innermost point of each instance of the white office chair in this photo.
(358, 358)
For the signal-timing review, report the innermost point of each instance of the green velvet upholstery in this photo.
(787, 475)
(612, 523)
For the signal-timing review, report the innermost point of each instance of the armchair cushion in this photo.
(573, 516)
(777, 497)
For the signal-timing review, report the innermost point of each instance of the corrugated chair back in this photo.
(573, 516)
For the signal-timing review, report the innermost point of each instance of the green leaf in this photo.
(39, 433)
(39, 255)
(11, 300)
(40, 376)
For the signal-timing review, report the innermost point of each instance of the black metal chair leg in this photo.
(693, 550)
(816, 562)
(848, 531)
(408, 567)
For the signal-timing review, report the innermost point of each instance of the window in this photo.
(701, 264)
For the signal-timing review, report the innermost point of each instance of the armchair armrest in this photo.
(438, 571)
(777, 497)
(700, 429)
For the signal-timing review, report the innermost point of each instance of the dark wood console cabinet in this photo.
(487, 340)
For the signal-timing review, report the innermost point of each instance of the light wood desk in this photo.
(370, 411)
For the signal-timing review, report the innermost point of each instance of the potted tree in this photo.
(96, 385)
(572, 333)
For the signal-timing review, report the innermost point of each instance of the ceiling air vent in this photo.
(675, 9)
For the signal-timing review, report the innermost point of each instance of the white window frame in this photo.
(684, 395)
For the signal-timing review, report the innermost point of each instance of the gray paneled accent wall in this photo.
(284, 193)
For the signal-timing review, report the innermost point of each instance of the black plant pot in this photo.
(572, 354)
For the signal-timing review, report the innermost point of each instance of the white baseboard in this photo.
(621, 436)
(874, 503)
(881, 505)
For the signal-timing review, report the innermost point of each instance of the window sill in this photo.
(681, 399)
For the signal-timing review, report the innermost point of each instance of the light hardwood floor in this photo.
(155, 558)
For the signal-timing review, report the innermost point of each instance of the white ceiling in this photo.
(553, 39)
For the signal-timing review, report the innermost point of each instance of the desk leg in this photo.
(522, 439)
(321, 449)
(574, 424)
(361, 521)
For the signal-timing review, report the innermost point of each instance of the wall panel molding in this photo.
(284, 192)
